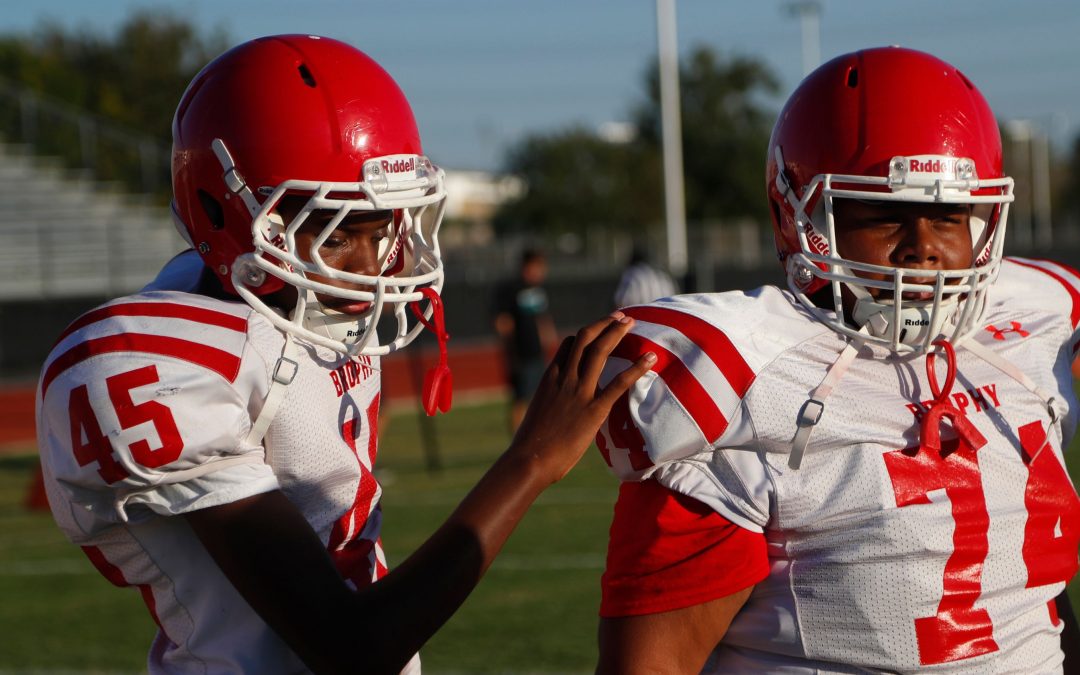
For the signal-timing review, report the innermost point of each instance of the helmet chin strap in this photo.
(338, 326)
(915, 323)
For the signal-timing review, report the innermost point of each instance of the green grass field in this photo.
(534, 612)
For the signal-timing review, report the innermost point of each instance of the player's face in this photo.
(352, 247)
(902, 234)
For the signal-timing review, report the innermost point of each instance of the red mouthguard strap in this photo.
(438, 391)
(942, 406)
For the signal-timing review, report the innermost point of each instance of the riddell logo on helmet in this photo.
(399, 165)
(916, 322)
(937, 165)
(816, 241)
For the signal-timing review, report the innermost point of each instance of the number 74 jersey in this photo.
(884, 554)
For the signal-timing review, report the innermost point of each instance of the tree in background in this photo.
(126, 84)
(725, 129)
(134, 77)
(576, 178)
(1069, 191)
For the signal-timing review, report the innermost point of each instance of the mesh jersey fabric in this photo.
(883, 556)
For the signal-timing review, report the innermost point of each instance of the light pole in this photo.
(1020, 212)
(809, 13)
(671, 136)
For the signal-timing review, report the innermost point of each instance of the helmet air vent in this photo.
(306, 75)
(853, 78)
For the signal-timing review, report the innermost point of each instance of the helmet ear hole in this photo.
(212, 209)
(776, 215)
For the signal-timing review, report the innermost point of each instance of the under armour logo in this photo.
(999, 333)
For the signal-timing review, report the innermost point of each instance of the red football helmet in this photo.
(887, 124)
(309, 116)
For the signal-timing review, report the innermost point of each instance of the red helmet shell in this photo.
(858, 111)
(286, 107)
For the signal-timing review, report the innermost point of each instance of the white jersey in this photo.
(145, 405)
(884, 555)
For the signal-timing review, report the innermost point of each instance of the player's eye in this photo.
(957, 220)
(334, 241)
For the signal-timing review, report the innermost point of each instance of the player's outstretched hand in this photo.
(569, 406)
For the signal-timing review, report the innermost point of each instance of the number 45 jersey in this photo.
(884, 554)
(144, 411)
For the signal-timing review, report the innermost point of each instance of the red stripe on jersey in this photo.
(108, 570)
(682, 383)
(221, 362)
(1073, 293)
(707, 337)
(116, 577)
(668, 551)
(1062, 266)
(356, 558)
(166, 310)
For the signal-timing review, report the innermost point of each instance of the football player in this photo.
(211, 439)
(862, 472)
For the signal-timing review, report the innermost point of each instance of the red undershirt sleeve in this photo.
(668, 551)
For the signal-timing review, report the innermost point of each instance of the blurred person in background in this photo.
(211, 440)
(863, 472)
(526, 330)
(642, 282)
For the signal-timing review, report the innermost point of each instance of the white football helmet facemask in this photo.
(409, 258)
(902, 325)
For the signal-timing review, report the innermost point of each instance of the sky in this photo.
(482, 74)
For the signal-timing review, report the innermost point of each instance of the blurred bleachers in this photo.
(65, 235)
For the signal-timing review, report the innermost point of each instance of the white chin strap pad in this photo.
(914, 327)
(345, 328)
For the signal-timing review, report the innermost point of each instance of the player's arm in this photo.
(549, 337)
(271, 555)
(677, 573)
(504, 325)
(677, 641)
(502, 318)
